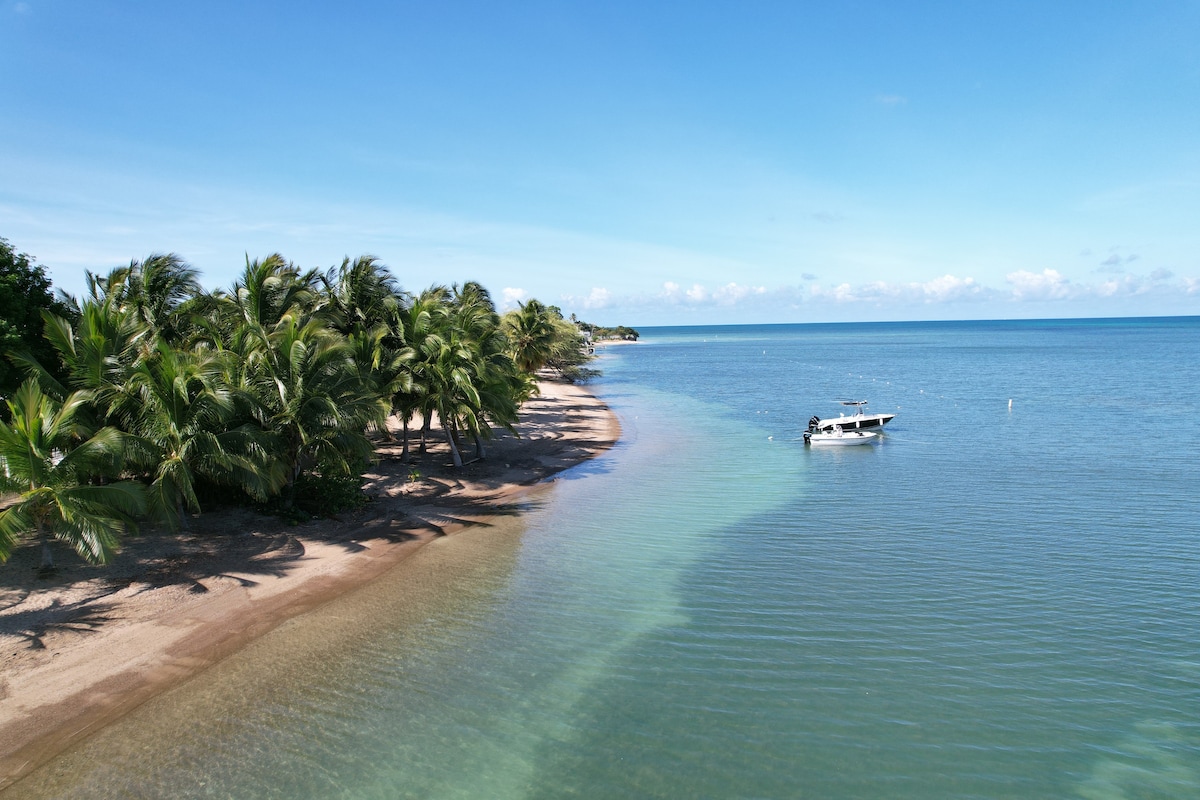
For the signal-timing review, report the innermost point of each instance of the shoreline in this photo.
(83, 649)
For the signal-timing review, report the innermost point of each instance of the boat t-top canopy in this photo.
(853, 402)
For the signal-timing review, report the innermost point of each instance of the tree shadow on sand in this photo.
(408, 499)
(33, 625)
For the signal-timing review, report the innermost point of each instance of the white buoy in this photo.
(1010, 404)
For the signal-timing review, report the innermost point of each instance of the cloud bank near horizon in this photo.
(1021, 287)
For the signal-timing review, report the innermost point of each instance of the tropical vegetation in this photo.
(148, 397)
(24, 295)
(600, 332)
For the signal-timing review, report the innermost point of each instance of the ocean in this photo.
(1001, 599)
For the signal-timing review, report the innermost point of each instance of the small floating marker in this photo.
(1010, 404)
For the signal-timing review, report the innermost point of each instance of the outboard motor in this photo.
(813, 423)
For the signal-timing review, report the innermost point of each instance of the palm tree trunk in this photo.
(454, 454)
(404, 448)
(182, 512)
(425, 430)
(479, 450)
(289, 490)
(47, 554)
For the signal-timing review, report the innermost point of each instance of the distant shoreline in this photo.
(80, 651)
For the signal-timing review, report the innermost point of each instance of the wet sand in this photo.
(82, 649)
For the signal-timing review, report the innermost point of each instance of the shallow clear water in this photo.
(992, 602)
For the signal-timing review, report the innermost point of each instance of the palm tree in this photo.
(180, 411)
(499, 384)
(271, 288)
(98, 353)
(570, 352)
(311, 395)
(461, 360)
(50, 457)
(531, 335)
(422, 322)
(152, 291)
(539, 337)
(449, 370)
(362, 295)
(363, 302)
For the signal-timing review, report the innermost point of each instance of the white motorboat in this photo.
(839, 437)
(859, 420)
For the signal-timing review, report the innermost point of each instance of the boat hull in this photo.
(840, 438)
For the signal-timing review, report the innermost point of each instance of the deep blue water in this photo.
(993, 602)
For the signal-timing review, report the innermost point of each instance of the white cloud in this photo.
(731, 293)
(1132, 285)
(949, 288)
(674, 293)
(700, 295)
(891, 99)
(1049, 284)
(598, 298)
(1124, 286)
(937, 298)
(510, 297)
(946, 289)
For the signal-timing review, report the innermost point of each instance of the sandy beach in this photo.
(89, 645)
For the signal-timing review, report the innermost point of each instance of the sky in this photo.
(638, 163)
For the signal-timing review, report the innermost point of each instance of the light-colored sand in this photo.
(81, 649)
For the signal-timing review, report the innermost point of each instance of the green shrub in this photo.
(326, 495)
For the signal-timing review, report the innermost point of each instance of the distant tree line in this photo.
(149, 396)
(599, 332)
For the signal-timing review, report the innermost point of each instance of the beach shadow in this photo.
(411, 498)
(33, 625)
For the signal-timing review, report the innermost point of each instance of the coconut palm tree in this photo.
(570, 352)
(467, 377)
(531, 335)
(449, 370)
(180, 411)
(495, 376)
(98, 353)
(271, 288)
(152, 291)
(51, 458)
(312, 397)
(422, 319)
(362, 295)
(363, 302)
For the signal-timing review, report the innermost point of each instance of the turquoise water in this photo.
(993, 602)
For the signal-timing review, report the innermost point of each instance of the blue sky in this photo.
(632, 162)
